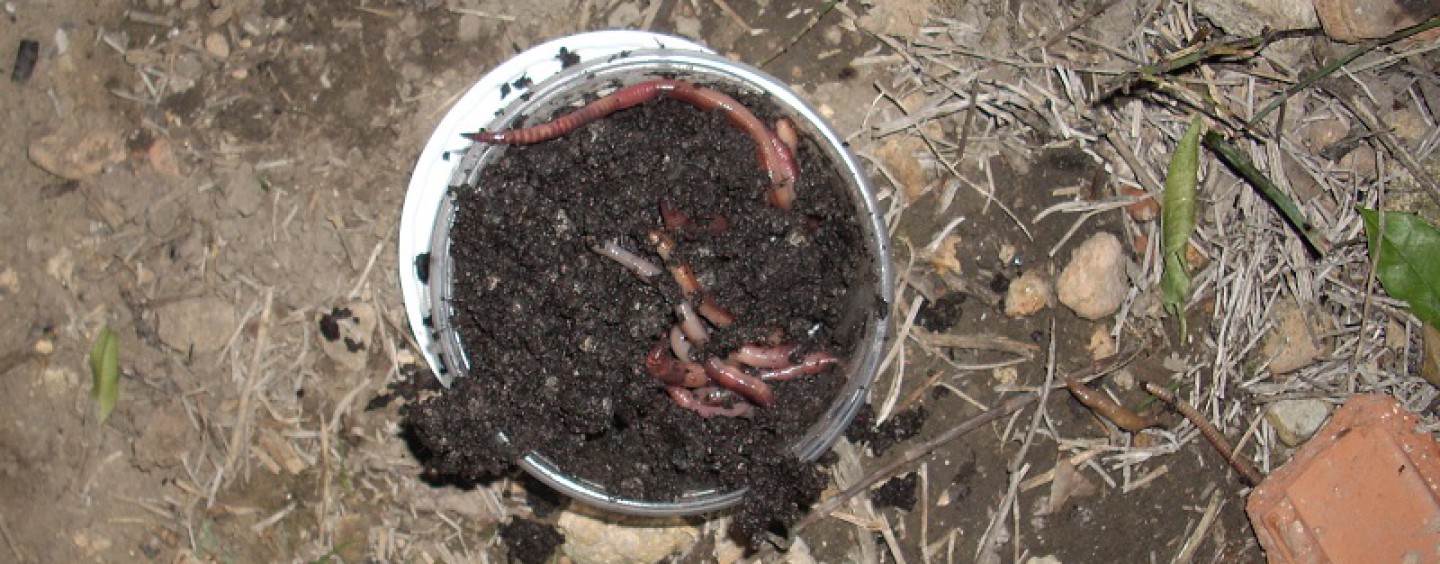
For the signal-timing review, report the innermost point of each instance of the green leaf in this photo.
(1177, 220)
(1407, 260)
(105, 372)
(1241, 165)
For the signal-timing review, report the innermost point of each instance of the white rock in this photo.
(217, 45)
(614, 539)
(1296, 420)
(1250, 17)
(1027, 295)
(202, 323)
(1094, 283)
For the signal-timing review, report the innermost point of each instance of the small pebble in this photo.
(1027, 295)
(217, 45)
(1094, 283)
(1295, 421)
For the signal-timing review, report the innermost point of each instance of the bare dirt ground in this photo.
(220, 181)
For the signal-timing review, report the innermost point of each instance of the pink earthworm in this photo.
(780, 168)
(641, 267)
(675, 221)
(735, 379)
(690, 324)
(764, 357)
(680, 345)
(813, 363)
(714, 313)
(673, 372)
(686, 399)
(715, 395)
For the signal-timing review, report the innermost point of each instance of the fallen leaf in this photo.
(1407, 260)
(1177, 220)
(105, 370)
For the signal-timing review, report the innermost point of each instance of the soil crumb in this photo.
(897, 492)
(530, 542)
(897, 429)
(557, 333)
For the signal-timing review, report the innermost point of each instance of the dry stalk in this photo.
(240, 434)
(1212, 509)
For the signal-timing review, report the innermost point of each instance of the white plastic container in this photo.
(427, 288)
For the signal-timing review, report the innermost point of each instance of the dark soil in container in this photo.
(557, 334)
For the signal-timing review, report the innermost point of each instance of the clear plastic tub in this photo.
(865, 307)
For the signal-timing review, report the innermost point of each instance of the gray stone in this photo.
(202, 323)
(1296, 420)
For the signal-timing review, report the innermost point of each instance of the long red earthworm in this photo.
(813, 363)
(635, 263)
(1100, 403)
(686, 399)
(714, 313)
(735, 379)
(781, 168)
(1248, 473)
(672, 371)
(690, 324)
(764, 357)
(680, 345)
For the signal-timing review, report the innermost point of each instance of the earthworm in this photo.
(1100, 403)
(714, 313)
(785, 132)
(715, 395)
(686, 279)
(780, 167)
(686, 399)
(664, 244)
(735, 379)
(672, 372)
(764, 357)
(813, 363)
(679, 345)
(1248, 473)
(690, 324)
(641, 267)
(675, 221)
(671, 217)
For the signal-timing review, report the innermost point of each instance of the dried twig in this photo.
(240, 434)
(977, 342)
(1187, 551)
